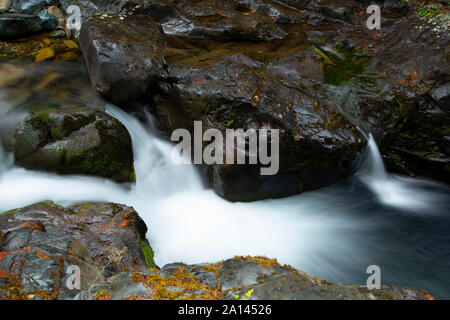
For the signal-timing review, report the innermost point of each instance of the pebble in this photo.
(57, 13)
(44, 54)
(4, 5)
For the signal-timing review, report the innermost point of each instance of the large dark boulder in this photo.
(124, 55)
(15, 25)
(39, 242)
(75, 140)
(318, 146)
(34, 261)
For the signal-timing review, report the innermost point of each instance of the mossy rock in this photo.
(75, 140)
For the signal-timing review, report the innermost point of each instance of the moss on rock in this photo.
(75, 140)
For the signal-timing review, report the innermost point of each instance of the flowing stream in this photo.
(400, 224)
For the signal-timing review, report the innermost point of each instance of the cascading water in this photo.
(393, 190)
(333, 233)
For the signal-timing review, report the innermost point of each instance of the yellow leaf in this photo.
(44, 54)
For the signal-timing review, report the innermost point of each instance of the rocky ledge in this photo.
(107, 243)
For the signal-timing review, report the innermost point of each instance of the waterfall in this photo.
(373, 167)
(5, 160)
(393, 190)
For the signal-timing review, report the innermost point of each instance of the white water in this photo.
(394, 190)
(188, 223)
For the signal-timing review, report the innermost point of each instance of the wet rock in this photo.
(300, 287)
(402, 7)
(245, 272)
(55, 11)
(19, 25)
(118, 287)
(221, 20)
(317, 144)
(408, 64)
(34, 261)
(422, 146)
(114, 234)
(75, 141)
(340, 70)
(124, 56)
(264, 279)
(113, 225)
(33, 6)
(442, 96)
(257, 278)
(49, 21)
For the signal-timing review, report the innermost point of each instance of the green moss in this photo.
(339, 70)
(229, 123)
(133, 175)
(148, 252)
(112, 158)
(44, 115)
(9, 211)
(428, 11)
(85, 207)
(50, 205)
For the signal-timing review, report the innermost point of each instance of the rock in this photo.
(375, 81)
(114, 234)
(221, 20)
(124, 56)
(318, 146)
(402, 7)
(53, 10)
(394, 103)
(49, 21)
(33, 261)
(75, 140)
(240, 272)
(4, 5)
(265, 279)
(19, 25)
(442, 96)
(110, 224)
(33, 6)
(256, 278)
(118, 287)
